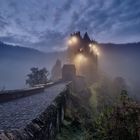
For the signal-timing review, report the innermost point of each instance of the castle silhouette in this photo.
(81, 49)
(83, 41)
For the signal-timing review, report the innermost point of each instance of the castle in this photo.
(83, 53)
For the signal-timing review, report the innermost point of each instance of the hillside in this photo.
(123, 47)
(114, 60)
(122, 60)
(16, 61)
(23, 53)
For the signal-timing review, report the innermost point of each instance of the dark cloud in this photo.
(3, 23)
(16, 39)
(50, 39)
(100, 18)
(59, 12)
(57, 16)
(47, 23)
(67, 5)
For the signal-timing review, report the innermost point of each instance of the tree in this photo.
(37, 76)
(119, 122)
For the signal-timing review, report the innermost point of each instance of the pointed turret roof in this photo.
(86, 37)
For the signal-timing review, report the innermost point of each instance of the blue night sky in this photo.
(45, 24)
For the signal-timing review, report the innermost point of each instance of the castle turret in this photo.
(86, 42)
(86, 38)
(83, 53)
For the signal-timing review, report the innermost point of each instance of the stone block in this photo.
(68, 72)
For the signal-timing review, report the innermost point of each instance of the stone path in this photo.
(20, 112)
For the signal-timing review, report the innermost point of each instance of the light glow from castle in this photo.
(80, 59)
(73, 40)
(69, 42)
(93, 48)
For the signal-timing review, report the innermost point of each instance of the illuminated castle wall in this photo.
(83, 53)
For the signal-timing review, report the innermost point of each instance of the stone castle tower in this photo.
(82, 52)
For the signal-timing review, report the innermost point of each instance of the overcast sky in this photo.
(45, 24)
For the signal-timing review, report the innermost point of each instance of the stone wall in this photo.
(46, 125)
(68, 72)
(9, 95)
(14, 94)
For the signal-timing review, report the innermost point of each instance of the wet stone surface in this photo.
(18, 113)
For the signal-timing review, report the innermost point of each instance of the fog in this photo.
(13, 72)
(113, 62)
(122, 62)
